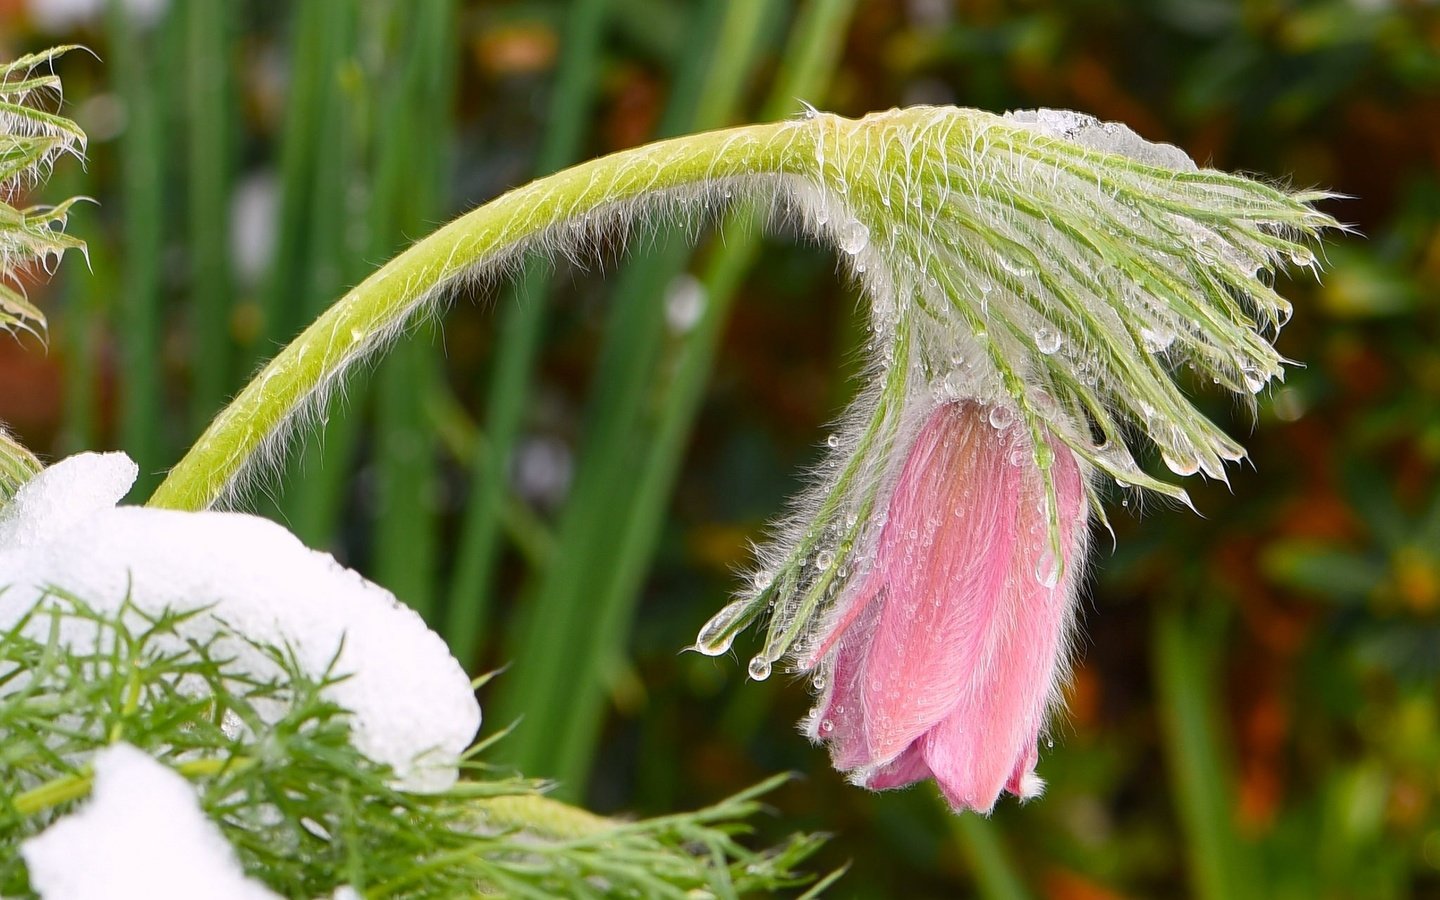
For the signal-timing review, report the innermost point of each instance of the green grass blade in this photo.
(1192, 742)
(83, 300)
(563, 653)
(979, 842)
(334, 238)
(322, 44)
(210, 111)
(615, 589)
(520, 328)
(144, 67)
(408, 188)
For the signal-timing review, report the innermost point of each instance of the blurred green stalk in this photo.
(611, 527)
(1183, 657)
(322, 240)
(145, 67)
(559, 652)
(412, 143)
(522, 318)
(211, 111)
(979, 842)
(322, 44)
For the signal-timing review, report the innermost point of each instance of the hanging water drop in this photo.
(759, 668)
(1181, 460)
(1047, 340)
(716, 635)
(1254, 377)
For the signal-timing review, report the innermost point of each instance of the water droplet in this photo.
(1047, 569)
(1254, 377)
(832, 441)
(826, 726)
(1301, 256)
(716, 635)
(1047, 340)
(1001, 416)
(759, 668)
(1180, 460)
(1157, 338)
(824, 560)
(853, 237)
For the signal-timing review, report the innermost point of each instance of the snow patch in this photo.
(1107, 137)
(141, 836)
(412, 702)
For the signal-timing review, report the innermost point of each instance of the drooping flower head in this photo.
(1035, 280)
(943, 654)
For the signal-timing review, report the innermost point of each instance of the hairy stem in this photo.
(366, 317)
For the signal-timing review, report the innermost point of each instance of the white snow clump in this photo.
(141, 836)
(1107, 137)
(412, 703)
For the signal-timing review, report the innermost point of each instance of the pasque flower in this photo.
(1035, 280)
(945, 654)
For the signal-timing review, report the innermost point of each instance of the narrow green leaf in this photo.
(1184, 678)
(471, 583)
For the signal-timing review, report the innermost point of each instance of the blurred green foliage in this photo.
(1256, 710)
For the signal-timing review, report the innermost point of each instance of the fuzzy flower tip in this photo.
(1036, 280)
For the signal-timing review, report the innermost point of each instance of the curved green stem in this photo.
(366, 317)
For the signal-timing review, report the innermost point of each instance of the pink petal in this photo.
(839, 717)
(944, 553)
(988, 741)
(906, 769)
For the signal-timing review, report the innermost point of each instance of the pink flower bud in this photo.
(943, 658)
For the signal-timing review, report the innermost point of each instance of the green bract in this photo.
(31, 138)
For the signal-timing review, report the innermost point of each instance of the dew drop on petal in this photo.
(759, 668)
(1001, 417)
(826, 726)
(1047, 569)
